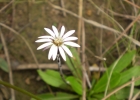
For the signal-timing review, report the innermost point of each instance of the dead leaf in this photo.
(89, 12)
(28, 80)
(96, 74)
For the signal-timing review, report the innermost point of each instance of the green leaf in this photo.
(75, 84)
(122, 77)
(101, 85)
(118, 66)
(123, 62)
(4, 65)
(90, 98)
(70, 65)
(99, 96)
(128, 74)
(74, 63)
(120, 95)
(52, 78)
(125, 77)
(57, 96)
(113, 97)
(137, 83)
(123, 93)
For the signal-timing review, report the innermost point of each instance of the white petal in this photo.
(72, 44)
(46, 37)
(62, 31)
(70, 38)
(50, 32)
(51, 51)
(44, 45)
(55, 49)
(62, 53)
(55, 31)
(46, 48)
(67, 50)
(68, 34)
(44, 40)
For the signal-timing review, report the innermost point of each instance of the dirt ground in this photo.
(29, 19)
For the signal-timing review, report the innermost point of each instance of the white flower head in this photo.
(57, 42)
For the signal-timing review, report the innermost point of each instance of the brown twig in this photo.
(80, 23)
(41, 66)
(97, 68)
(63, 6)
(9, 65)
(83, 61)
(84, 56)
(52, 66)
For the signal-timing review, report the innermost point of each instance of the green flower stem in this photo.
(19, 89)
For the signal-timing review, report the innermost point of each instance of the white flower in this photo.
(57, 42)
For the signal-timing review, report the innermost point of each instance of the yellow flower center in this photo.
(58, 41)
